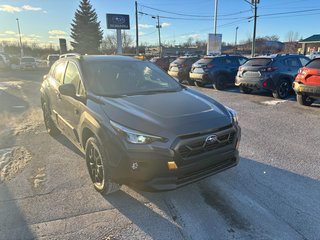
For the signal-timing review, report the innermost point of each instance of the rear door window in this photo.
(314, 64)
(242, 60)
(292, 62)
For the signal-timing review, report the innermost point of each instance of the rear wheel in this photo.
(245, 90)
(190, 82)
(199, 84)
(48, 122)
(97, 166)
(219, 83)
(304, 100)
(282, 90)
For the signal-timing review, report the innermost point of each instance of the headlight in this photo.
(136, 137)
(233, 114)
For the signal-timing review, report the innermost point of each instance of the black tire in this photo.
(96, 159)
(48, 122)
(199, 84)
(304, 100)
(283, 89)
(245, 90)
(190, 82)
(219, 83)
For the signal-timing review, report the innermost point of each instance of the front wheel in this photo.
(304, 100)
(96, 160)
(282, 90)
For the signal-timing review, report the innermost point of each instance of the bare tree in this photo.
(109, 43)
(292, 36)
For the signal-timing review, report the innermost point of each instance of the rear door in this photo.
(230, 64)
(291, 66)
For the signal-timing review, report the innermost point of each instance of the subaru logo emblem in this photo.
(211, 139)
(118, 20)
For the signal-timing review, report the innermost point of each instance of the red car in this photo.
(307, 83)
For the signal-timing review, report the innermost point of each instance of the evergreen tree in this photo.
(85, 29)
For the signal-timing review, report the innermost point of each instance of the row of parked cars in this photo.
(279, 74)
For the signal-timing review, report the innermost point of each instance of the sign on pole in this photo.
(118, 22)
(214, 43)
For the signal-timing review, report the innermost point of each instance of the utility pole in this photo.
(235, 41)
(137, 30)
(215, 16)
(21, 48)
(159, 26)
(253, 50)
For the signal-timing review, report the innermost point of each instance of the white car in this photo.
(28, 63)
(315, 55)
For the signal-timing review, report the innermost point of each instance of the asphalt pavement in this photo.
(274, 192)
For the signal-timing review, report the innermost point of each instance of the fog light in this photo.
(300, 89)
(172, 166)
(265, 84)
(134, 166)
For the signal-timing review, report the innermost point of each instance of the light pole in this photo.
(21, 48)
(235, 41)
(253, 50)
(137, 28)
(158, 26)
(215, 16)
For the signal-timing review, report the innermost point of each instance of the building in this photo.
(173, 51)
(310, 44)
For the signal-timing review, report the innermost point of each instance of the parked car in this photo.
(181, 67)
(130, 120)
(6, 59)
(307, 83)
(315, 55)
(217, 70)
(274, 73)
(51, 59)
(28, 63)
(163, 62)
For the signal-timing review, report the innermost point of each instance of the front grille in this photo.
(201, 146)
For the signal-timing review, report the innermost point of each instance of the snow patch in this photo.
(273, 102)
(12, 162)
(11, 84)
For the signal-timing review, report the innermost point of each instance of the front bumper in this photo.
(148, 170)
(310, 90)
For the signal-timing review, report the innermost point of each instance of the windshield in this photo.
(53, 58)
(255, 62)
(314, 64)
(180, 60)
(119, 78)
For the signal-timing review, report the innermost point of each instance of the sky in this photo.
(44, 21)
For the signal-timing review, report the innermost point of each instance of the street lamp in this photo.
(158, 26)
(21, 48)
(235, 42)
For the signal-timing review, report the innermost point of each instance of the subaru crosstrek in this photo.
(217, 70)
(181, 67)
(307, 83)
(136, 125)
(273, 73)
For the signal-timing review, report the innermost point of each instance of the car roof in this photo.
(103, 58)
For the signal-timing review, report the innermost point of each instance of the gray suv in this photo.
(217, 70)
(136, 125)
(274, 73)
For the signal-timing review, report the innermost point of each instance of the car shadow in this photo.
(239, 197)
(67, 143)
(12, 221)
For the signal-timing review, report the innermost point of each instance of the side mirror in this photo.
(67, 90)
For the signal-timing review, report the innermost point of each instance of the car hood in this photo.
(178, 113)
